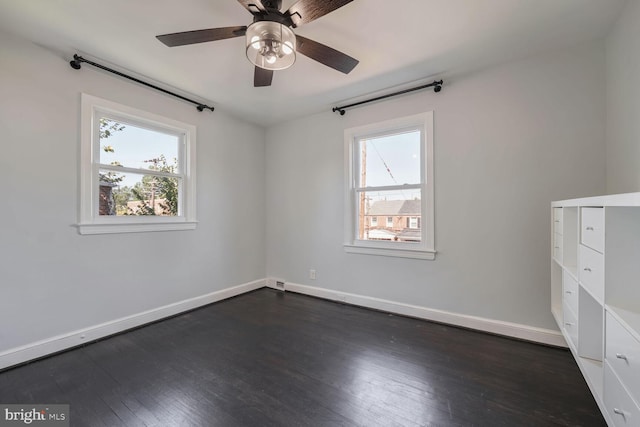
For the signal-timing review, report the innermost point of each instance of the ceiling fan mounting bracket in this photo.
(272, 4)
(276, 16)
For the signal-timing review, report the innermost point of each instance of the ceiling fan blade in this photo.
(253, 6)
(262, 77)
(201, 36)
(326, 55)
(305, 11)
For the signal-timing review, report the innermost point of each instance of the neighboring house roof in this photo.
(410, 234)
(381, 234)
(386, 207)
(395, 207)
(410, 207)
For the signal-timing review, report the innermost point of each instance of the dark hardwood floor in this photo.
(281, 359)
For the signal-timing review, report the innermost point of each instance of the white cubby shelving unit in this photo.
(595, 296)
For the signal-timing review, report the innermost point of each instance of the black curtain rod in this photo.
(436, 84)
(77, 60)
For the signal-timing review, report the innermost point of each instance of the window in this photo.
(389, 221)
(137, 170)
(389, 169)
(374, 221)
(413, 222)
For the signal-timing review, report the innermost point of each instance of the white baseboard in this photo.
(61, 342)
(72, 339)
(514, 330)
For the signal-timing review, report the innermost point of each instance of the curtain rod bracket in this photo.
(436, 84)
(76, 64)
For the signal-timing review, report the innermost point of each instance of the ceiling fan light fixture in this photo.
(271, 45)
(287, 48)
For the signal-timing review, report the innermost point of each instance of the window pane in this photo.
(135, 147)
(390, 160)
(137, 194)
(389, 215)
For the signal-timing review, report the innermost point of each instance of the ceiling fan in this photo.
(270, 42)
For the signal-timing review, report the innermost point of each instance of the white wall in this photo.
(508, 141)
(623, 102)
(53, 280)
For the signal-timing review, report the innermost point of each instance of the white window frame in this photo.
(90, 221)
(374, 221)
(389, 223)
(425, 249)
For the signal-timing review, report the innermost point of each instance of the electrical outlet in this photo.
(312, 274)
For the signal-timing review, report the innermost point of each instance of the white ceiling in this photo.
(396, 42)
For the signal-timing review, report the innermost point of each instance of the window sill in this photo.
(134, 228)
(391, 252)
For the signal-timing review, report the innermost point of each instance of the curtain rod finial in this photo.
(203, 107)
(75, 62)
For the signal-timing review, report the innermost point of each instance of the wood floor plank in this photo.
(269, 358)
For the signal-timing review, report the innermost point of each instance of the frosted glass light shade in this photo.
(271, 45)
